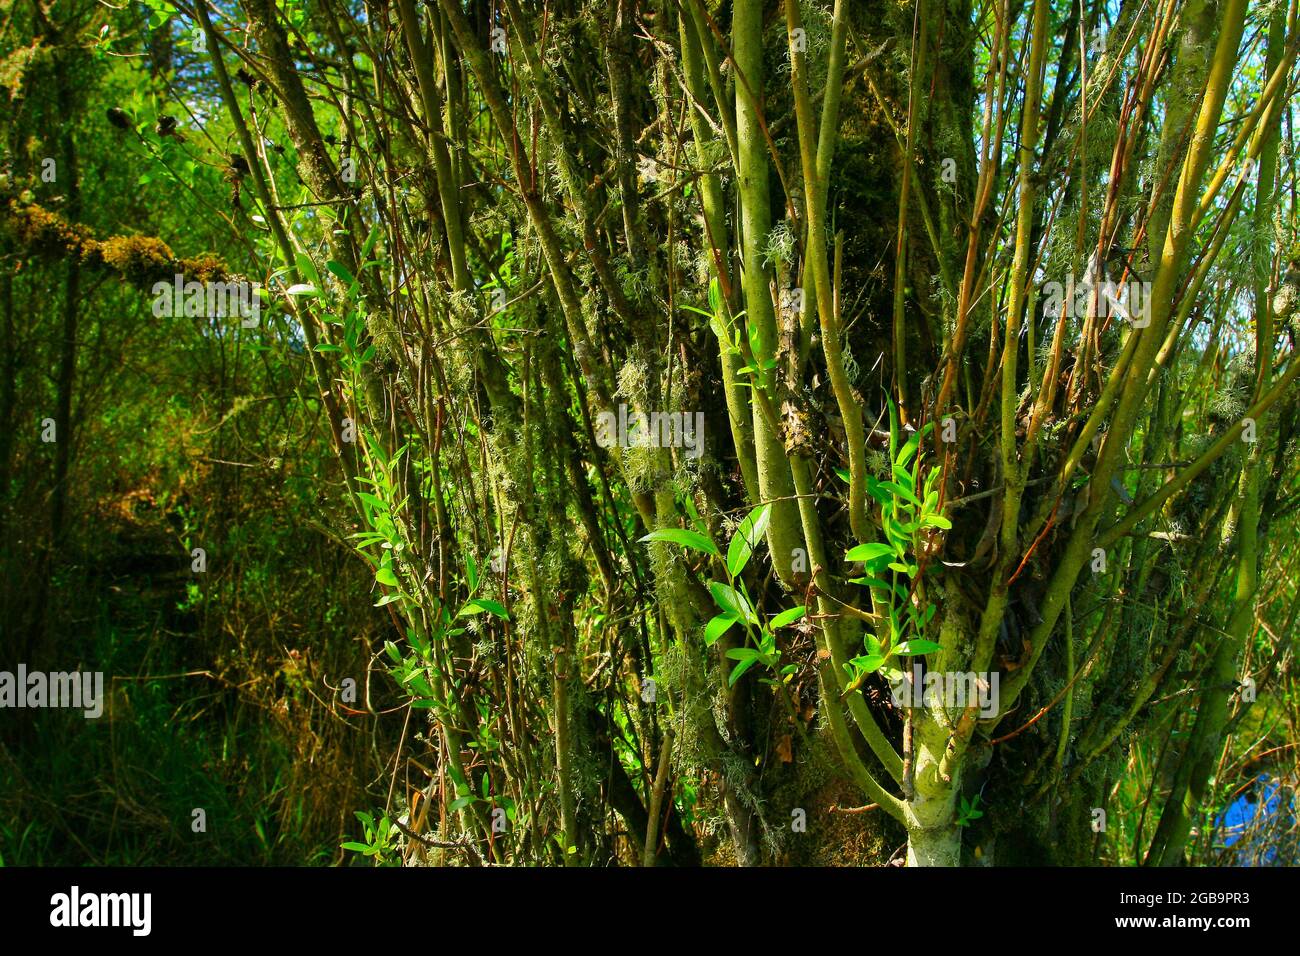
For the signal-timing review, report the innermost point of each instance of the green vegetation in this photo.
(486, 434)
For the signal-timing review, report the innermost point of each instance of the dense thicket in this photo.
(639, 391)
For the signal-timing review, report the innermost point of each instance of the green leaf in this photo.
(694, 514)
(370, 242)
(906, 454)
(749, 533)
(936, 521)
(867, 663)
(471, 572)
(341, 271)
(786, 618)
(308, 268)
(717, 627)
(740, 668)
(902, 491)
(386, 576)
(869, 552)
(479, 605)
(894, 532)
(685, 538)
(302, 288)
(894, 427)
(388, 599)
(731, 600)
(876, 489)
(913, 443)
(916, 646)
(355, 847)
